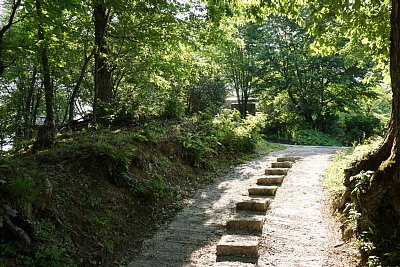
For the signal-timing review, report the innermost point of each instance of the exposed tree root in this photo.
(18, 226)
(373, 160)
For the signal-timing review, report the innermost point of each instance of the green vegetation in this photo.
(97, 194)
(172, 59)
(378, 247)
(334, 174)
(119, 97)
(312, 137)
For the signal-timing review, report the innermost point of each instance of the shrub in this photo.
(173, 108)
(282, 125)
(359, 127)
(207, 95)
(226, 133)
(312, 137)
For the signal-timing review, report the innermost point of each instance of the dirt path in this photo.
(298, 229)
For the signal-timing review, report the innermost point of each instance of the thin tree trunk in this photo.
(28, 106)
(10, 22)
(35, 108)
(75, 90)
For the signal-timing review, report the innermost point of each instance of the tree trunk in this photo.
(35, 107)
(10, 22)
(28, 106)
(46, 133)
(103, 71)
(383, 191)
(75, 90)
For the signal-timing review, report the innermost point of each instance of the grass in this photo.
(334, 174)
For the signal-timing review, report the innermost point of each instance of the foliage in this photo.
(334, 174)
(280, 123)
(225, 134)
(158, 59)
(173, 108)
(363, 24)
(22, 189)
(379, 246)
(362, 181)
(314, 87)
(87, 206)
(208, 95)
(312, 137)
(359, 127)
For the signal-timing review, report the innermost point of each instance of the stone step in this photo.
(288, 158)
(253, 204)
(235, 261)
(284, 164)
(270, 180)
(238, 245)
(261, 190)
(276, 171)
(246, 222)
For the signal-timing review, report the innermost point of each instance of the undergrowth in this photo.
(315, 138)
(334, 174)
(378, 244)
(97, 194)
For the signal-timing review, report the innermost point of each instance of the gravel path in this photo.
(299, 230)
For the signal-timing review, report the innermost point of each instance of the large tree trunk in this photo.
(103, 72)
(46, 132)
(383, 191)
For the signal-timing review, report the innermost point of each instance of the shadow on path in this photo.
(190, 239)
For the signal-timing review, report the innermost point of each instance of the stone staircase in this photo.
(244, 229)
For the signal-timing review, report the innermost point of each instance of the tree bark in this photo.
(383, 190)
(28, 106)
(75, 90)
(103, 87)
(36, 105)
(46, 133)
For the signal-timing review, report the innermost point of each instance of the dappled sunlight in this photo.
(197, 229)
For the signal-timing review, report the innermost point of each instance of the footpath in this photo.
(271, 211)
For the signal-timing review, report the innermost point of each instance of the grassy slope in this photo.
(334, 177)
(334, 174)
(95, 196)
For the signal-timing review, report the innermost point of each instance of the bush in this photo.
(22, 189)
(173, 108)
(359, 127)
(207, 95)
(312, 137)
(282, 125)
(227, 133)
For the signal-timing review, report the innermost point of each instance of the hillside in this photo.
(95, 195)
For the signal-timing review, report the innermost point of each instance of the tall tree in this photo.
(47, 130)
(384, 187)
(103, 86)
(318, 86)
(377, 197)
